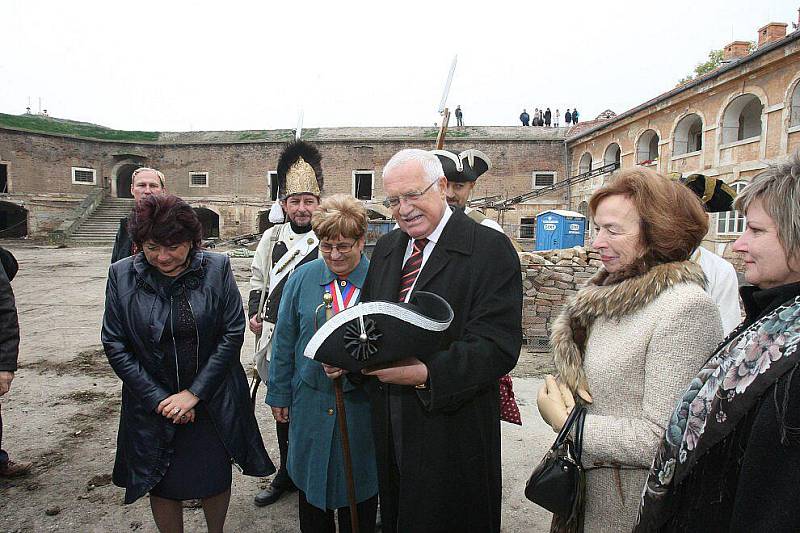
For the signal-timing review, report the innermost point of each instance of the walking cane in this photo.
(341, 417)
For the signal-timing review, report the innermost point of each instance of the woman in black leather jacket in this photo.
(172, 331)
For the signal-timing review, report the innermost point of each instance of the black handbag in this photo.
(557, 483)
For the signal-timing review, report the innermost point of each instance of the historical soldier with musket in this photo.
(282, 249)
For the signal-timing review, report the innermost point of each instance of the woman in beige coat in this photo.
(630, 339)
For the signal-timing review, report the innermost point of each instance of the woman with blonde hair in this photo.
(300, 389)
(730, 457)
(627, 341)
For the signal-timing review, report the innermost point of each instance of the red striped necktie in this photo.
(411, 269)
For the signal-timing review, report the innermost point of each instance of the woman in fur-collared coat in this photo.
(629, 340)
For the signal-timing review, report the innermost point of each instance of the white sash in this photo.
(286, 264)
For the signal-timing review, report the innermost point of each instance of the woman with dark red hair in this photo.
(172, 331)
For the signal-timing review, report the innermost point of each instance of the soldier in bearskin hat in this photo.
(282, 249)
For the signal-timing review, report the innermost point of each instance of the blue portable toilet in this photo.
(557, 229)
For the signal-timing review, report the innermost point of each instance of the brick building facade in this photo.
(729, 123)
(231, 181)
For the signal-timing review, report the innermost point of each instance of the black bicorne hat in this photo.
(463, 167)
(716, 195)
(377, 333)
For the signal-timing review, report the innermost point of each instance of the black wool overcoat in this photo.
(451, 474)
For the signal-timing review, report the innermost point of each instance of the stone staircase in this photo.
(101, 226)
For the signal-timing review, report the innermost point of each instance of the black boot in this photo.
(281, 483)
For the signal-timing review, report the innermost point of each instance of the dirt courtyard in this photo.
(63, 408)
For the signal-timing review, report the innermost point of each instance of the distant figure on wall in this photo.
(547, 117)
(558, 116)
(525, 118)
(575, 116)
(568, 117)
(459, 116)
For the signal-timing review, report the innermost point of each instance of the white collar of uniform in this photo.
(288, 233)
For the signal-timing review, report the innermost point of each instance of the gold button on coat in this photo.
(330, 411)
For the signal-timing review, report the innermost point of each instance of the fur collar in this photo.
(610, 296)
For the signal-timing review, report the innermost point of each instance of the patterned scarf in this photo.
(721, 394)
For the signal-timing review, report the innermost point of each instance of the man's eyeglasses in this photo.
(394, 201)
(341, 247)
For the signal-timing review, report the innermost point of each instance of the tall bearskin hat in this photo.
(299, 170)
(463, 167)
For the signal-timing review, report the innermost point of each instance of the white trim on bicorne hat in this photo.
(451, 156)
(396, 310)
(470, 155)
(462, 167)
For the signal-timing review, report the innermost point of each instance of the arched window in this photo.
(688, 135)
(794, 117)
(742, 119)
(731, 221)
(209, 220)
(585, 164)
(647, 148)
(13, 220)
(612, 155)
(124, 175)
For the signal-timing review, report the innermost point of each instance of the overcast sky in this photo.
(232, 65)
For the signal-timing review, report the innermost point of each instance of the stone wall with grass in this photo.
(549, 278)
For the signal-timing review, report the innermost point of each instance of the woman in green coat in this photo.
(299, 389)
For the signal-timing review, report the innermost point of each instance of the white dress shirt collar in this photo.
(437, 232)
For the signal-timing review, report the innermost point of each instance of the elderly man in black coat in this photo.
(436, 418)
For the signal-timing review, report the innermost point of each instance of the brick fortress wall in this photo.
(39, 168)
